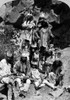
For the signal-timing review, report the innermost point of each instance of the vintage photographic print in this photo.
(34, 49)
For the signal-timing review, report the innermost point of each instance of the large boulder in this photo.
(15, 14)
(4, 9)
(61, 30)
(2, 2)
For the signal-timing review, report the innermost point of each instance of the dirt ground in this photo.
(44, 95)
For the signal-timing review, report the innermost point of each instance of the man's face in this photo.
(23, 60)
(8, 59)
(44, 30)
(33, 50)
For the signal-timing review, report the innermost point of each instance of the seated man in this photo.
(6, 65)
(21, 69)
(5, 68)
(55, 76)
(57, 69)
(36, 76)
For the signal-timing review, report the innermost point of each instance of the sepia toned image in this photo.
(34, 49)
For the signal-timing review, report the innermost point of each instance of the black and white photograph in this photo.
(34, 49)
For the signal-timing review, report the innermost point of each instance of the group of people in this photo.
(39, 62)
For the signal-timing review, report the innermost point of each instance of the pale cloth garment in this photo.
(36, 76)
(5, 69)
